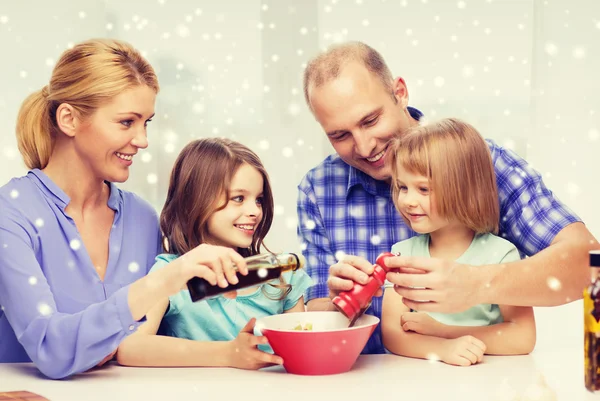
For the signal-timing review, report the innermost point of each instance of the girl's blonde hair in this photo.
(199, 182)
(457, 162)
(86, 77)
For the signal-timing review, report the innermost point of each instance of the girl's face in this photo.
(110, 138)
(417, 202)
(234, 226)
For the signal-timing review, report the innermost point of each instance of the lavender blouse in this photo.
(54, 309)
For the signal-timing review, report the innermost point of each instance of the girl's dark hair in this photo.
(201, 176)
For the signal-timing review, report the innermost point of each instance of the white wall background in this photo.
(524, 72)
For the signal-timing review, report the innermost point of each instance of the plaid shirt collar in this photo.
(369, 184)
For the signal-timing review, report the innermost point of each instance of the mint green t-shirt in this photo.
(220, 318)
(485, 249)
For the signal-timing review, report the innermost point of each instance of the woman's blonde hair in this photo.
(86, 76)
(457, 162)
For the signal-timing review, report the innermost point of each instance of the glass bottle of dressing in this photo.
(591, 319)
(261, 268)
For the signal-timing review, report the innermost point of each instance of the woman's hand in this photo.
(213, 263)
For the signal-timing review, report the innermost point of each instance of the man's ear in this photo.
(400, 91)
(66, 119)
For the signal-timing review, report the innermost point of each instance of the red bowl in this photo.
(329, 348)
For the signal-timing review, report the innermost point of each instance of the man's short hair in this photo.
(328, 65)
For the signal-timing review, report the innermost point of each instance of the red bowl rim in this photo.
(374, 322)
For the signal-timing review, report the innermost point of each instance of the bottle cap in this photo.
(595, 258)
(291, 259)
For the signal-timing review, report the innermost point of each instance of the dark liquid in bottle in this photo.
(201, 289)
(592, 372)
(591, 301)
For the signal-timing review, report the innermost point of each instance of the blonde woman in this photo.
(75, 249)
(444, 187)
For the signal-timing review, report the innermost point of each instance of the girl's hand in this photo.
(463, 351)
(210, 262)
(245, 355)
(421, 323)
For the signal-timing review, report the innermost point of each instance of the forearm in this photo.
(146, 292)
(320, 305)
(162, 351)
(299, 307)
(508, 338)
(411, 344)
(61, 345)
(554, 276)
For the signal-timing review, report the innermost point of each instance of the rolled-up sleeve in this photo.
(60, 344)
(532, 215)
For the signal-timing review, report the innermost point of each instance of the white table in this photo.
(373, 378)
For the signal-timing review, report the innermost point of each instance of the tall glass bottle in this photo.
(591, 319)
(261, 268)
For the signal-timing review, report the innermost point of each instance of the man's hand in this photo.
(421, 323)
(349, 270)
(440, 286)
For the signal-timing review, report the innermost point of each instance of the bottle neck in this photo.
(284, 261)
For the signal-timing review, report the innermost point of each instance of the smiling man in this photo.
(347, 217)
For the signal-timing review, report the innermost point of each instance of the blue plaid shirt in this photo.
(342, 210)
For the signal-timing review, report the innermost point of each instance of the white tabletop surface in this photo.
(373, 378)
(558, 357)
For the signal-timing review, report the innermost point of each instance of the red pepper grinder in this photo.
(353, 303)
